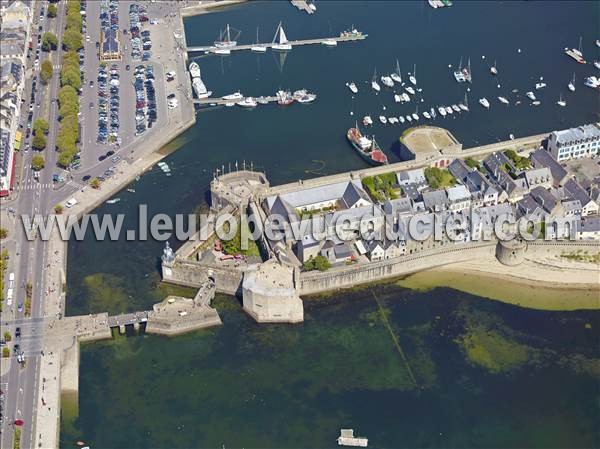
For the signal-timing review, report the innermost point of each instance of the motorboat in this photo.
(442, 111)
(539, 86)
(352, 88)
(234, 96)
(387, 81)
(449, 109)
(402, 119)
(194, 69)
(367, 120)
(484, 102)
(247, 102)
(410, 90)
(427, 115)
(383, 119)
(503, 100)
(329, 42)
(455, 108)
(530, 95)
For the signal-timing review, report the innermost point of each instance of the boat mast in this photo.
(466, 100)
(415, 71)
(460, 64)
(228, 34)
(580, 45)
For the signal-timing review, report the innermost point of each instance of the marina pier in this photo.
(303, 5)
(344, 37)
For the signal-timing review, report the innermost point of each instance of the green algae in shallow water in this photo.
(69, 411)
(106, 292)
(492, 350)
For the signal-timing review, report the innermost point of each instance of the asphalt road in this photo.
(32, 196)
(27, 260)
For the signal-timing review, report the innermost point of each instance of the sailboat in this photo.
(397, 76)
(258, 48)
(493, 69)
(225, 40)
(464, 106)
(576, 53)
(415, 115)
(571, 85)
(413, 78)
(282, 42)
(387, 81)
(561, 102)
(376, 87)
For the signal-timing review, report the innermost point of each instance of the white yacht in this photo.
(222, 51)
(194, 69)
(493, 69)
(503, 100)
(234, 96)
(393, 120)
(376, 87)
(539, 86)
(402, 119)
(483, 102)
(530, 95)
(597, 64)
(225, 39)
(571, 84)
(303, 96)
(247, 102)
(408, 118)
(200, 88)
(455, 108)
(413, 78)
(405, 96)
(398, 98)
(387, 81)
(329, 42)
(432, 112)
(352, 88)
(257, 47)
(449, 110)
(280, 41)
(592, 81)
(367, 120)
(383, 119)
(410, 90)
(427, 115)
(442, 111)
(415, 116)
(561, 102)
(397, 76)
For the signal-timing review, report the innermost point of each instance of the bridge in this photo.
(127, 319)
(344, 37)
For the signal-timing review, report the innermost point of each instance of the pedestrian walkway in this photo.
(34, 185)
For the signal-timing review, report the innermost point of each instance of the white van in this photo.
(70, 203)
(11, 277)
(9, 295)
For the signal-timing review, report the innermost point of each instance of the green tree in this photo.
(72, 39)
(49, 41)
(3, 233)
(473, 163)
(95, 183)
(39, 141)
(52, 11)
(40, 125)
(37, 162)
(5, 352)
(319, 263)
(58, 209)
(65, 158)
(46, 71)
(70, 77)
(7, 336)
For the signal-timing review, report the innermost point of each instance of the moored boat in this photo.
(530, 95)
(280, 41)
(367, 120)
(387, 81)
(576, 53)
(484, 102)
(247, 102)
(352, 88)
(442, 111)
(366, 148)
(234, 96)
(410, 90)
(503, 100)
(284, 98)
(374, 84)
(383, 119)
(561, 102)
(571, 84)
(194, 69)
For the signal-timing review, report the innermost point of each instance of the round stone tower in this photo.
(511, 252)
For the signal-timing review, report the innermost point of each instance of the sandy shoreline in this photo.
(532, 284)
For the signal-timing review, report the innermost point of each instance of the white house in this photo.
(583, 141)
(459, 198)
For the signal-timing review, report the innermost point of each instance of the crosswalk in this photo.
(34, 185)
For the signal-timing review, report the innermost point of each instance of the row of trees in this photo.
(40, 129)
(68, 135)
(49, 41)
(73, 38)
(70, 79)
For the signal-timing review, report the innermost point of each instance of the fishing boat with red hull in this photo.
(366, 148)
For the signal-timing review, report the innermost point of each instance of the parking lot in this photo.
(125, 98)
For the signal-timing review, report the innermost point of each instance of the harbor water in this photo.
(404, 368)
